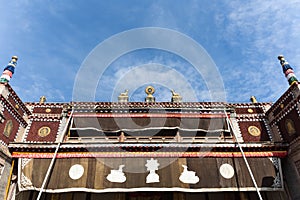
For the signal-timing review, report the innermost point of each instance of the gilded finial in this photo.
(123, 97)
(14, 58)
(287, 70)
(42, 99)
(253, 99)
(9, 70)
(150, 91)
(280, 57)
(176, 97)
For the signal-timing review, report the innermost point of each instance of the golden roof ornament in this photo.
(150, 91)
(253, 99)
(176, 97)
(42, 99)
(123, 97)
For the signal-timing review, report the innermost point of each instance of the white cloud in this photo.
(164, 72)
(261, 30)
(34, 87)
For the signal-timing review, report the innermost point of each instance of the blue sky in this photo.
(53, 38)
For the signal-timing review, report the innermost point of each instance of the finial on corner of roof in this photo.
(253, 99)
(9, 70)
(42, 100)
(123, 97)
(176, 97)
(287, 70)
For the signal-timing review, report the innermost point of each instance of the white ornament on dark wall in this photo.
(76, 171)
(152, 165)
(227, 171)
(188, 176)
(117, 176)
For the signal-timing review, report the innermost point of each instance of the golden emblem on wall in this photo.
(290, 126)
(8, 128)
(250, 110)
(44, 131)
(254, 131)
(48, 110)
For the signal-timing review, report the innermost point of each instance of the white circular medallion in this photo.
(227, 171)
(76, 171)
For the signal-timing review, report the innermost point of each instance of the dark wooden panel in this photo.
(207, 169)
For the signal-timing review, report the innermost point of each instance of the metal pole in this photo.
(9, 180)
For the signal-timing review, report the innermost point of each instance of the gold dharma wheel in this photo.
(149, 90)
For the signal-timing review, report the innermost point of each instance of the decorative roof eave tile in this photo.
(110, 147)
(47, 104)
(45, 116)
(13, 111)
(17, 99)
(157, 115)
(287, 109)
(280, 154)
(116, 105)
(250, 105)
(283, 97)
(250, 116)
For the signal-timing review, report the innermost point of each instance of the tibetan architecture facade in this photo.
(150, 150)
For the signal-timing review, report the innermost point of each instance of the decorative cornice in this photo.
(250, 105)
(286, 110)
(164, 105)
(119, 147)
(249, 117)
(45, 116)
(143, 115)
(283, 97)
(280, 154)
(46, 105)
(18, 100)
(13, 111)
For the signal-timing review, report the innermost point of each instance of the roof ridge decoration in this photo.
(150, 91)
(288, 70)
(290, 91)
(12, 94)
(123, 97)
(95, 105)
(46, 104)
(12, 110)
(176, 97)
(9, 70)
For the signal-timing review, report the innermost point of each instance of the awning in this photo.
(141, 123)
(150, 174)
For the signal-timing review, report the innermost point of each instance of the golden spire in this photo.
(42, 100)
(253, 99)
